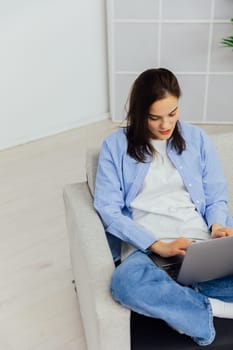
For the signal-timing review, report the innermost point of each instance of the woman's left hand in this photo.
(220, 231)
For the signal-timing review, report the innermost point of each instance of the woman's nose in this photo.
(164, 123)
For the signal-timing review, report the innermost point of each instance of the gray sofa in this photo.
(106, 323)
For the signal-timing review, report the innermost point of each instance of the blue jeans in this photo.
(141, 286)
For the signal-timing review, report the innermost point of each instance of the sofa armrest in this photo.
(106, 323)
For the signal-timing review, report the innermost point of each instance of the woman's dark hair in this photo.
(150, 86)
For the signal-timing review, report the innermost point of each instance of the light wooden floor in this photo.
(38, 306)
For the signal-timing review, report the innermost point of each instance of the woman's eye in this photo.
(153, 118)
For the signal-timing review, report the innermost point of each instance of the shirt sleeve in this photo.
(214, 184)
(110, 204)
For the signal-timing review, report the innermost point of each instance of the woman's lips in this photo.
(165, 132)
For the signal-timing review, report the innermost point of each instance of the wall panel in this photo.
(181, 35)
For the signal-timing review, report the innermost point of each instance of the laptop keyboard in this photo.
(172, 270)
(170, 265)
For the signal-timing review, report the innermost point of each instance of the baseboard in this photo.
(53, 130)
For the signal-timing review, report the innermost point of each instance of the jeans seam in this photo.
(211, 327)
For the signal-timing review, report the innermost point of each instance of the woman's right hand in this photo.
(218, 231)
(166, 249)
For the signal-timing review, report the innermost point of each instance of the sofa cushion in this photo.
(91, 167)
(224, 146)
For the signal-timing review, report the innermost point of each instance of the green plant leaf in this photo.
(229, 40)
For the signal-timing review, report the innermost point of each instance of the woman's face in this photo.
(162, 118)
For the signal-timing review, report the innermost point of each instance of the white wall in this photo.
(53, 68)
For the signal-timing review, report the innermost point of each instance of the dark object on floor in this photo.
(154, 334)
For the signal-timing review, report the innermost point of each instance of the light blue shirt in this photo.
(120, 177)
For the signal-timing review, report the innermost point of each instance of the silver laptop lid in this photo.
(207, 260)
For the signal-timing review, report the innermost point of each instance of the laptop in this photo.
(204, 260)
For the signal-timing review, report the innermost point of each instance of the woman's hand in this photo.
(164, 249)
(218, 231)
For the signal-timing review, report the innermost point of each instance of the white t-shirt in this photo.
(163, 206)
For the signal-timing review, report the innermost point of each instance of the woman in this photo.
(155, 189)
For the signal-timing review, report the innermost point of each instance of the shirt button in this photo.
(190, 185)
(181, 167)
(197, 201)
